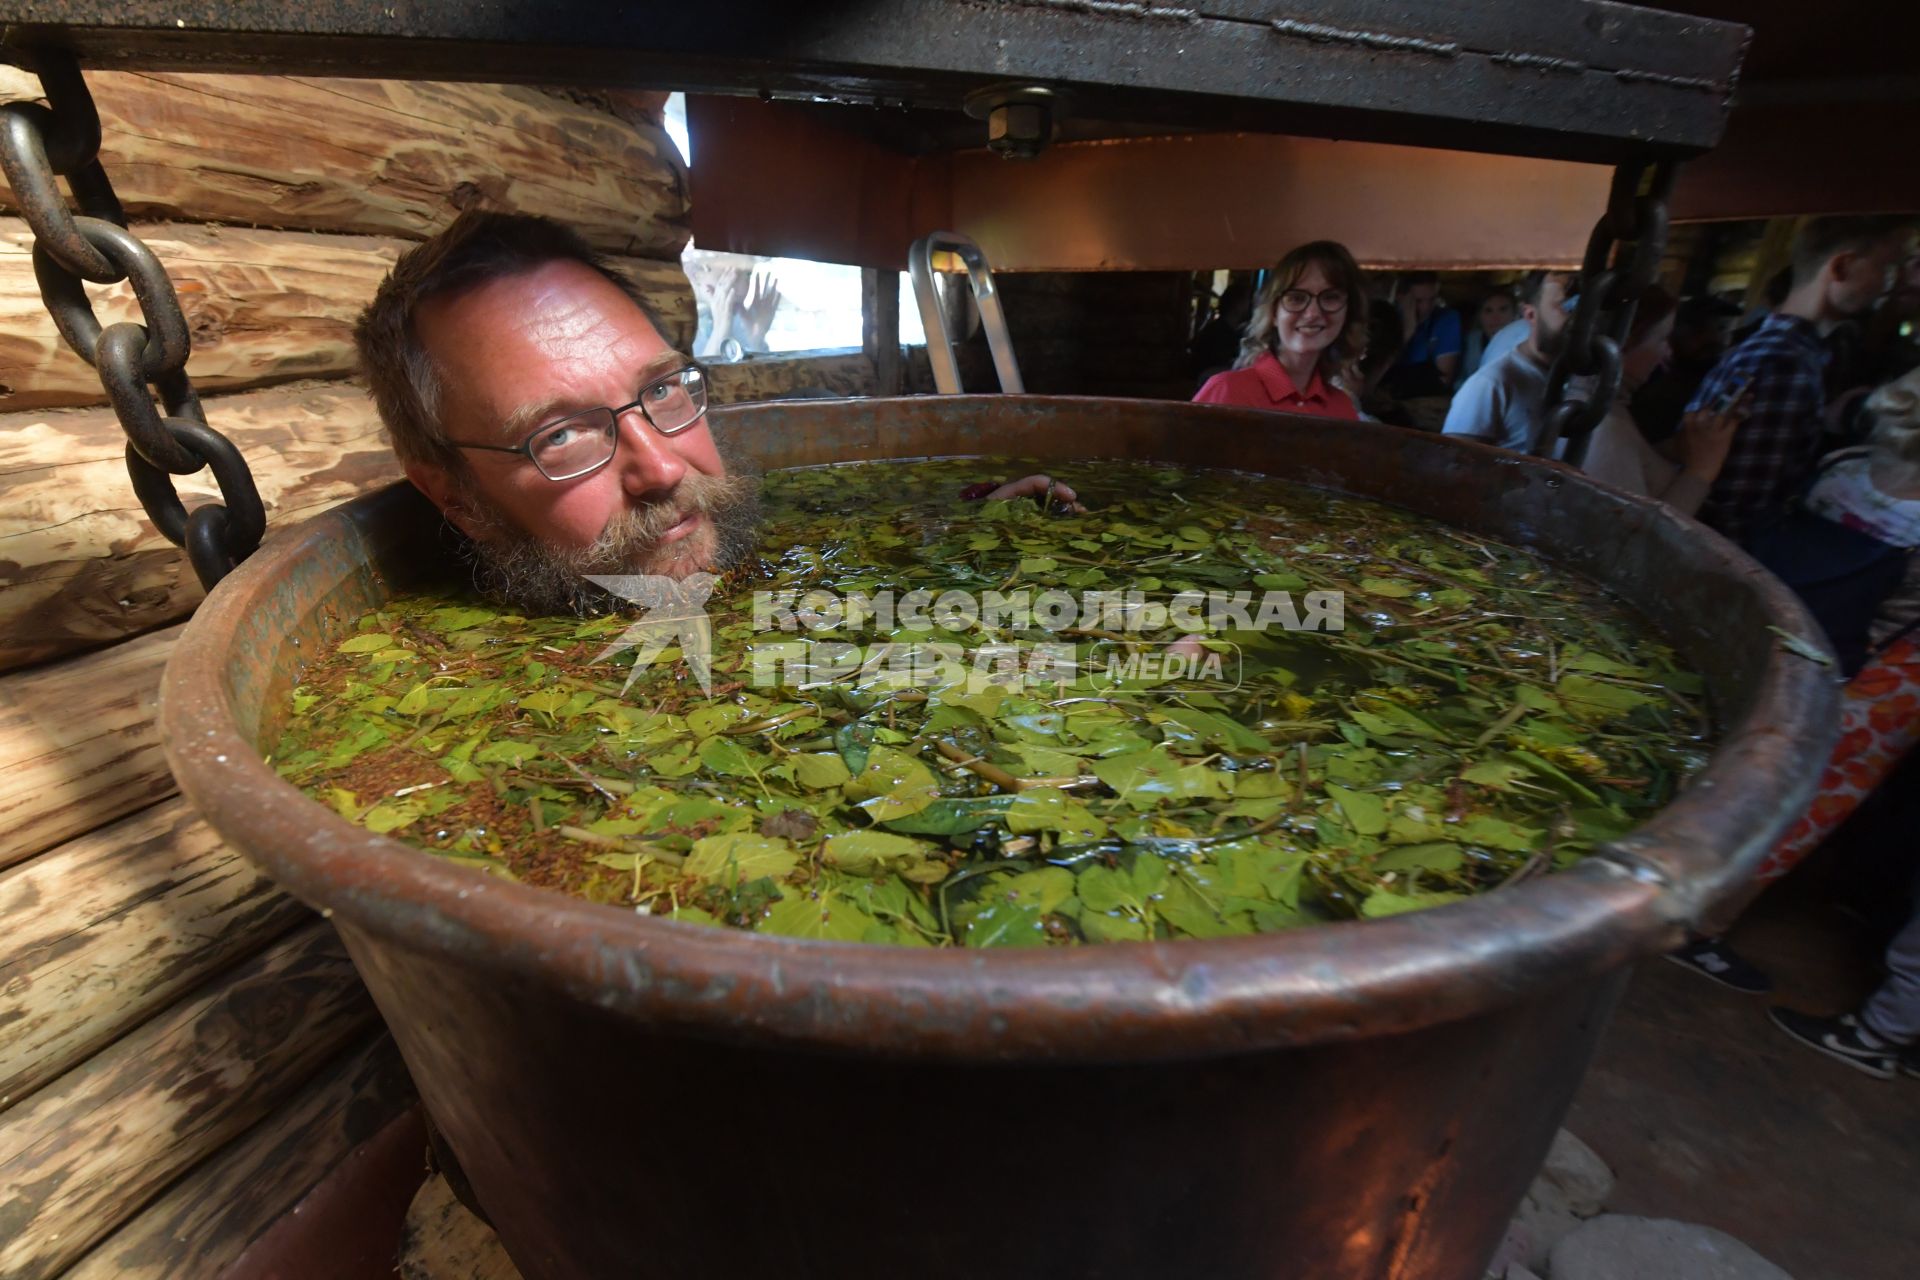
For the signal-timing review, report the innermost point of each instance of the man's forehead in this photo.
(556, 336)
(550, 302)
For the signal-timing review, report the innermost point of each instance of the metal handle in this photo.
(946, 371)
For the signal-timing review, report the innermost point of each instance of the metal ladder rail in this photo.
(946, 371)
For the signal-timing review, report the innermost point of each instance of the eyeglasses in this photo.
(1294, 301)
(584, 442)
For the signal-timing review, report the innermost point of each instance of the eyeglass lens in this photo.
(1330, 300)
(576, 445)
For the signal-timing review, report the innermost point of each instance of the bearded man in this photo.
(1505, 401)
(530, 396)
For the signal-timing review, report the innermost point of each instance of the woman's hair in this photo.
(1341, 358)
(1655, 305)
(1895, 408)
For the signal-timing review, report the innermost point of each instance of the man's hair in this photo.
(478, 247)
(1412, 278)
(1528, 290)
(1655, 305)
(1821, 238)
(1705, 311)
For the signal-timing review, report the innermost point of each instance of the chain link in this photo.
(1622, 260)
(37, 144)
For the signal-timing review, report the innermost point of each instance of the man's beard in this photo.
(533, 576)
(1551, 344)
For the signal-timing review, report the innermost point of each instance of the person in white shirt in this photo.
(1504, 403)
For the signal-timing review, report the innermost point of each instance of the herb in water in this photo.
(1480, 718)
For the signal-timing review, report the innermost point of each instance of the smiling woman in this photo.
(1305, 339)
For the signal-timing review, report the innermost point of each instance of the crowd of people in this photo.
(1798, 437)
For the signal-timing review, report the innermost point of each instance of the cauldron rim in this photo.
(1113, 1001)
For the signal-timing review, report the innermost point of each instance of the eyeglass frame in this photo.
(1313, 299)
(525, 447)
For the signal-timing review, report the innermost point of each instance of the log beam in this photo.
(783, 377)
(108, 929)
(204, 1223)
(381, 157)
(82, 1155)
(264, 307)
(81, 565)
(78, 745)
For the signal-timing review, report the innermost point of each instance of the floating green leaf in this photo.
(739, 857)
(1474, 702)
(1365, 812)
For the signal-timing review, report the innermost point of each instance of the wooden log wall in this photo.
(272, 309)
(184, 1050)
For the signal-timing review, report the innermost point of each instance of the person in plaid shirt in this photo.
(1841, 267)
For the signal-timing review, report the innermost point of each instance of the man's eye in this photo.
(560, 437)
(660, 391)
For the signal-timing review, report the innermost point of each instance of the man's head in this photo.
(475, 347)
(1904, 301)
(1497, 311)
(1843, 265)
(1543, 297)
(1702, 328)
(1422, 288)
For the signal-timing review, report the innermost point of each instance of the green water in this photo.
(1481, 718)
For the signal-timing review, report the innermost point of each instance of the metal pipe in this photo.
(933, 318)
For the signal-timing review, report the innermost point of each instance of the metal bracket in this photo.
(946, 370)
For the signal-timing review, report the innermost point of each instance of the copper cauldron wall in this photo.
(634, 1097)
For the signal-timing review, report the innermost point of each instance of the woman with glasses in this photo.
(1302, 347)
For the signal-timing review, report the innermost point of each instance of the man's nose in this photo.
(649, 464)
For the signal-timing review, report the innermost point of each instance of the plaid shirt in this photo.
(1784, 366)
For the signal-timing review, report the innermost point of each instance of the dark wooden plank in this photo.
(81, 1157)
(108, 929)
(206, 1220)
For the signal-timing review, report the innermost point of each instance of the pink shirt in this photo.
(1265, 385)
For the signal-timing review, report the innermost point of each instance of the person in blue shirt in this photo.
(1431, 356)
(1498, 312)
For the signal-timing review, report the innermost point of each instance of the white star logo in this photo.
(679, 616)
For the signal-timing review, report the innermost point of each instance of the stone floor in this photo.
(1708, 1113)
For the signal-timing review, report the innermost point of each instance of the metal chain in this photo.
(1622, 259)
(63, 138)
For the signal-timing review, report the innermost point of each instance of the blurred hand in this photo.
(723, 298)
(757, 305)
(1705, 437)
(1036, 487)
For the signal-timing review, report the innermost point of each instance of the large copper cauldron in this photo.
(634, 1097)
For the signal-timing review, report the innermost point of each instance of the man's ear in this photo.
(1842, 265)
(440, 488)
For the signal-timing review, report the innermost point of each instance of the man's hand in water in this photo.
(1046, 489)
